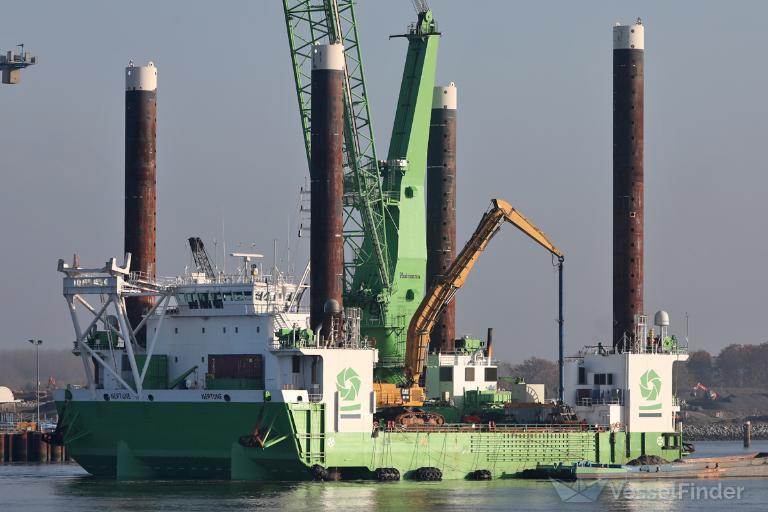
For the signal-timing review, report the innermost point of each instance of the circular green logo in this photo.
(650, 385)
(348, 384)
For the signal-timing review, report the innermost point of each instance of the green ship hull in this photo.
(278, 441)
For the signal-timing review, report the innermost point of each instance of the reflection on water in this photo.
(65, 487)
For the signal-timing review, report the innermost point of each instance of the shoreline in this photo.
(723, 432)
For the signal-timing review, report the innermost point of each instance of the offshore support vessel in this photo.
(234, 384)
(208, 375)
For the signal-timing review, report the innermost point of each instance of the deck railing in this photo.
(503, 427)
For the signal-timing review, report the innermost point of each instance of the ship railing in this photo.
(274, 308)
(680, 349)
(239, 308)
(187, 279)
(278, 344)
(463, 358)
(588, 402)
(500, 427)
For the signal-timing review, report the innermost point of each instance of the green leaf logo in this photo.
(348, 384)
(650, 385)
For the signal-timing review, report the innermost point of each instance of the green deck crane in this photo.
(385, 219)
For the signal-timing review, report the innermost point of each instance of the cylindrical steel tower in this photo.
(628, 207)
(140, 179)
(327, 189)
(441, 206)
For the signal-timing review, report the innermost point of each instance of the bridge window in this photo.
(491, 375)
(603, 379)
(469, 374)
(446, 374)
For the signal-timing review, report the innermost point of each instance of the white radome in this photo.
(6, 395)
(661, 318)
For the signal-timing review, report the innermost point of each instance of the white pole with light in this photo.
(37, 344)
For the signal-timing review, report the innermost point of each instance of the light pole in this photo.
(37, 344)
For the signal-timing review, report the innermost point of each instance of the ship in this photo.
(209, 375)
(234, 384)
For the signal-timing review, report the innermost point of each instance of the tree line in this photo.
(739, 366)
(18, 368)
(736, 366)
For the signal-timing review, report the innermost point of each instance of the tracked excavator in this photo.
(403, 402)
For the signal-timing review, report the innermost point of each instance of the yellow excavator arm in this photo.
(441, 293)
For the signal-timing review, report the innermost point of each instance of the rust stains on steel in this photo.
(628, 202)
(327, 189)
(441, 211)
(140, 191)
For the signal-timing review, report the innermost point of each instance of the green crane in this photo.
(385, 220)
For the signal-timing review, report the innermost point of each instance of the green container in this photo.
(102, 340)
(476, 397)
(157, 373)
(469, 344)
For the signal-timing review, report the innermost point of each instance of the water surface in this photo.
(66, 487)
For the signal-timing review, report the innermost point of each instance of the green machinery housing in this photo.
(385, 217)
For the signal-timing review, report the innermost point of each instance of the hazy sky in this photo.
(534, 82)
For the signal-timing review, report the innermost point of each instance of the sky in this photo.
(534, 128)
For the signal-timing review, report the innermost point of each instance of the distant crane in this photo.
(12, 63)
(202, 261)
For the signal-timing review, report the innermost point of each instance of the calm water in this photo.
(66, 487)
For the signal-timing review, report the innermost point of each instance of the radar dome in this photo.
(661, 318)
(6, 395)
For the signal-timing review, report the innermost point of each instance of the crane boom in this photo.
(202, 261)
(444, 290)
